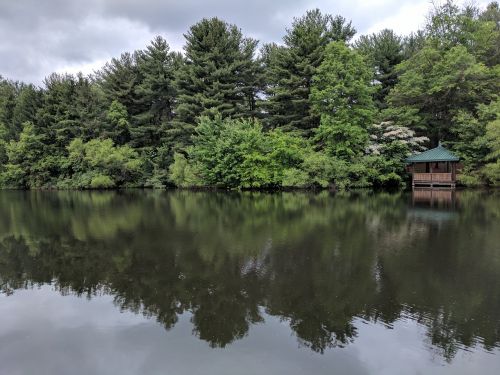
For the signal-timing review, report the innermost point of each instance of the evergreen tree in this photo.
(8, 93)
(384, 51)
(72, 107)
(58, 117)
(28, 102)
(413, 43)
(119, 79)
(155, 93)
(290, 69)
(217, 76)
(89, 105)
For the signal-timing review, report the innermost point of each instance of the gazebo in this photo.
(435, 167)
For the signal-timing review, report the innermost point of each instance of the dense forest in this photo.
(321, 108)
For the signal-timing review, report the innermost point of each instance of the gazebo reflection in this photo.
(435, 198)
(433, 205)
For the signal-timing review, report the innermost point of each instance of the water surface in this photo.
(147, 282)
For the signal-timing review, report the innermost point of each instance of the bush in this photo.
(13, 176)
(100, 164)
(239, 154)
(101, 181)
(469, 179)
(491, 173)
(294, 177)
(182, 173)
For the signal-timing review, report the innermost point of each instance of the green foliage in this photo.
(290, 69)
(321, 170)
(70, 108)
(340, 138)
(118, 80)
(470, 142)
(383, 51)
(155, 94)
(182, 174)
(492, 114)
(238, 154)
(8, 91)
(295, 178)
(341, 94)
(29, 165)
(3, 146)
(117, 117)
(491, 171)
(101, 181)
(101, 164)
(117, 114)
(435, 85)
(231, 153)
(469, 178)
(450, 26)
(19, 103)
(218, 76)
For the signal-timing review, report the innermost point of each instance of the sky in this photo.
(40, 37)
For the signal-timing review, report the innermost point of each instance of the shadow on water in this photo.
(317, 261)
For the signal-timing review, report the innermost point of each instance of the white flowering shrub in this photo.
(387, 138)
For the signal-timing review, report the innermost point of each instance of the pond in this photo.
(179, 282)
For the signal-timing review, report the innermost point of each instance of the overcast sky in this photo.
(39, 37)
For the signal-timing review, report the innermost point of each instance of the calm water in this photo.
(228, 283)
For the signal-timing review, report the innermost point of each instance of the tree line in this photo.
(320, 108)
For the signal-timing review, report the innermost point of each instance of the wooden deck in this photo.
(433, 179)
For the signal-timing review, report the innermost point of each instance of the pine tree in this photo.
(290, 69)
(8, 93)
(119, 79)
(58, 116)
(28, 102)
(72, 106)
(384, 51)
(89, 104)
(155, 93)
(218, 76)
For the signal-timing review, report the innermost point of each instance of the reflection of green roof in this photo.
(436, 154)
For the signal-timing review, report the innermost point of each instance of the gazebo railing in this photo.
(432, 177)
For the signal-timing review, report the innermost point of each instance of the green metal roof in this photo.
(436, 154)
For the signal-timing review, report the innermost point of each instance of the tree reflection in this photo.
(315, 260)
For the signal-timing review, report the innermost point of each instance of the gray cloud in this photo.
(39, 37)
